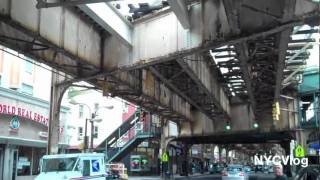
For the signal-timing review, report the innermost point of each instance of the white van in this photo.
(72, 167)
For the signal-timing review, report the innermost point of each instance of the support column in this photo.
(227, 155)
(7, 161)
(57, 91)
(185, 160)
(287, 168)
(164, 142)
(220, 153)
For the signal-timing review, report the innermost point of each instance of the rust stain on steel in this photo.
(165, 94)
(148, 83)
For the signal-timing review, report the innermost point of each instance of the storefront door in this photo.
(14, 163)
(10, 156)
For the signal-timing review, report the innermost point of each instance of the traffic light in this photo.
(275, 111)
(255, 125)
(228, 126)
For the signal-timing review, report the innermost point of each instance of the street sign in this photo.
(299, 151)
(165, 157)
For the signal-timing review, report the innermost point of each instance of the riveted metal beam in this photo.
(45, 4)
(176, 90)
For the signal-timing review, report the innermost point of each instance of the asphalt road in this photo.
(218, 177)
(205, 177)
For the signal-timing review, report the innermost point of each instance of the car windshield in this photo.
(58, 164)
(234, 168)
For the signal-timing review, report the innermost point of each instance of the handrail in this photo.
(121, 130)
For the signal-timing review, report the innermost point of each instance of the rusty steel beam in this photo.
(44, 4)
(284, 39)
(182, 53)
(243, 57)
(176, 90)
(195, 79)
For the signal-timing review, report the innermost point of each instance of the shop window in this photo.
(80, 111)
(29, 66)
(80, 133)
(24, 161)
(27, 89)
(95, 132)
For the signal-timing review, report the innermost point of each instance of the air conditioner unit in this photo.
(43, 134)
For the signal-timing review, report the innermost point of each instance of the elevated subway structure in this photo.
(168, 61)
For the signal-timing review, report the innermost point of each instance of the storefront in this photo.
(23, 134)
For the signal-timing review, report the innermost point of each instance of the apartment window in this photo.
(80, 111)
(80, 133)
(27, 89)
(29, 66)
(95, 132)
(96, 107)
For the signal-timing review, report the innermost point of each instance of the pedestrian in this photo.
(278, 171)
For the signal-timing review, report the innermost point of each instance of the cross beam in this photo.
(44, 4)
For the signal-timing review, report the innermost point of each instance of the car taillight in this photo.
(241, 174)
(224, 173)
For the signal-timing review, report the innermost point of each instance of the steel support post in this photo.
(287, 168)
(57, 92)
(164, 142)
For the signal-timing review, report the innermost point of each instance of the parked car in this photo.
(248, 169)
(270, 170)
(234, 172)
(215, 168)
(258, 168)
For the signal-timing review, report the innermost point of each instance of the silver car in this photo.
(234, 172)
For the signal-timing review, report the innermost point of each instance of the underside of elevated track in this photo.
(200, 63)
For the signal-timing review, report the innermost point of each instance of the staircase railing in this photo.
(121, 130)
(130, 140)
(127, 136)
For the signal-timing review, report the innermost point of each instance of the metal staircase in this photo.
(127, 136)
(115, 154)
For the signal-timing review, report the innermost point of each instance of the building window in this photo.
(29, 66)
(95, 132)
(80, 111)
(80, 133)
(96, 107)
(27, 89)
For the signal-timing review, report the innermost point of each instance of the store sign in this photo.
(24, 113)
(14, 123)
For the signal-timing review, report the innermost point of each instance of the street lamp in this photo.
(92, 119)
(85, 140)
(94, 115)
